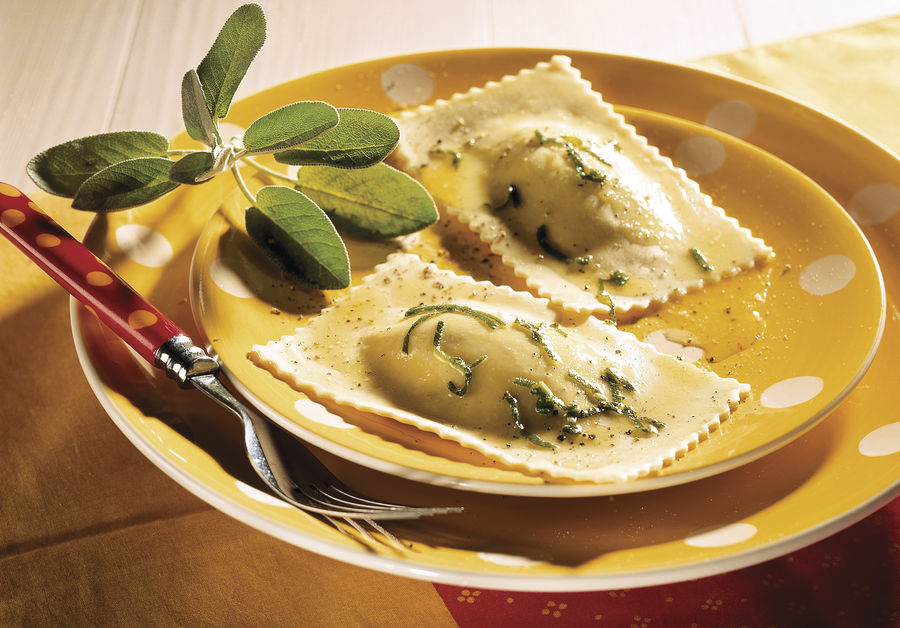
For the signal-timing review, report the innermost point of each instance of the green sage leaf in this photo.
(376, 202)
(198, 121)
(362, 138)
(227, 61)
(63, 168)
(190, 167)
(125, 184)
(288, 126)
(299, 237)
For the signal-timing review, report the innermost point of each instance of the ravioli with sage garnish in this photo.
(569, 196)
(495, 370)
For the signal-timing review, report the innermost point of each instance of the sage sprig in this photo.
(341, 183)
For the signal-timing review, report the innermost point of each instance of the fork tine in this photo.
(367, 509)
(314, 493)
(264, 443)
(332, 493)
(380, 529)
(363, 536)
(355, 500)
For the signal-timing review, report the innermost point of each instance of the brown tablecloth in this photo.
(91, 533)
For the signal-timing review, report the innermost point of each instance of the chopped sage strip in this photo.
(618, 277)
(556, 253)
(612, 306)
(537, 335)
(574, 412)
(581, 169)
(517, 422)
(588, 174)
(455, 154)
(428, 311)
(513, 197)
(613, 387)
(549, 403)
(620, 380)
(546, 402)
(701, 260)
(593, 390)
(617, 383)
(641, 423)
(465, 368)
(488, 319)
(418, 321)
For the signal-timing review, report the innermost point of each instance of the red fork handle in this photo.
(75, 268)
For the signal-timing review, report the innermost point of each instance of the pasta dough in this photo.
(570, 196)
(494, 370)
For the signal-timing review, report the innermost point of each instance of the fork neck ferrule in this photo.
(181, 360)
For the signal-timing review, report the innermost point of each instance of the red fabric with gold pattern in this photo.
(849, 579)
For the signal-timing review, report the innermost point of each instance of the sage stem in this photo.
(241, 184)
(269, 171)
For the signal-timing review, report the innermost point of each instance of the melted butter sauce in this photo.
(723, 319)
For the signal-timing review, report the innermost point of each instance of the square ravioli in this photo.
(495, 370)
(568, 195)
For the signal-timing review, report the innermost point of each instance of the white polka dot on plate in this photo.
(258, 495)
(229, 281)
(883, 441)
(735, 117)
(673, 342)
(144, 245)
(407, 84)
(720, 537)
(827, 274)
(792, 391)
(875, 203)
(507, 560)
(316, 412)
(700, 155)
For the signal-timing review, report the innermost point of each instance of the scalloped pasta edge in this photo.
(562, 64)
(540, 309)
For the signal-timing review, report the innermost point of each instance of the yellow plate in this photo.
(782, 501)
(766, 327)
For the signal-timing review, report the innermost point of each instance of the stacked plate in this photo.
(807, 332)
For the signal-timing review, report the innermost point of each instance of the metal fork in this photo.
(299, 479)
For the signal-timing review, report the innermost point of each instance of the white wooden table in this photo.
(77, 67)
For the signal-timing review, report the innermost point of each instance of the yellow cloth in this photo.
(91, 533)
(852, 74)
